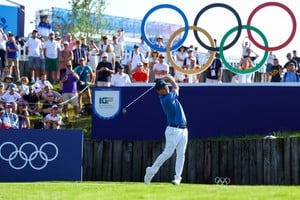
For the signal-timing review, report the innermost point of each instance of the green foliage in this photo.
(87, 17)
(157, 191)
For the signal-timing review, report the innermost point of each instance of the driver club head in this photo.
(124, 111)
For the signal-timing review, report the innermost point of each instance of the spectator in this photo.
(69, 91)
(46, 107)
(2, 110)
(3, 39)
(140, 74)
(9, 119)
(12, 49)
(111, 57)
(291, 74)
(270, 63)
(152, 61)
(103, 45)
(48, 89)
(144, 48)
(53, 120)
(289, 60)
(190, 62)
(23, 114)
(160, 69)
(65, 58)
(215, 71)
(51, 51)
(120, 78)
(72, 43)
(40, 84)
(12, 96)
(245, 64)
(180, 56)
(8, 79)
(275, 71)
(104, 71)
(297, 59)
(86, 75)
(135, 58)
(24, 88)
(93, 56)
(159, 42)
(2, 90)
(118, 50)
(32, 99)
(34, 49)
(78, 53)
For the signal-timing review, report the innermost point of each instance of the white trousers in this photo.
(176, 139)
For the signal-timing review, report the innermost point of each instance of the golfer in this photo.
(176, 133)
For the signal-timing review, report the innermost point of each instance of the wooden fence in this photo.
(251, 162)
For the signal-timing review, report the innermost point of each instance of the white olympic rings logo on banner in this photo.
(28, 158)
(222, 180)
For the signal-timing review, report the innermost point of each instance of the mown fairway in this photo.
(155, 191)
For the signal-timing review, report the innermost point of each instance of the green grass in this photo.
(154, 191)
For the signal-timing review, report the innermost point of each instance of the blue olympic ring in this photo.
(180, 42)
(222, 6)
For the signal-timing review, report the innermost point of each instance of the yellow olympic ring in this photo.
(198, 68)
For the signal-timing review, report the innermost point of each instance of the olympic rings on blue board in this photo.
(239, 31)
(143, 27)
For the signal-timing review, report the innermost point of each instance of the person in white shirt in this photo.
(51, 50)
(33, 48)
(53, 120)
(144, 48)
(120, 78)
(135, 57)
(160, 69)
(12, 96)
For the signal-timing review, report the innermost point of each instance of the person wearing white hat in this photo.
(53, 120)
(104, 71)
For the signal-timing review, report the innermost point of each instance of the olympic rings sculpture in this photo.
(222, 48)
(222, 180)
(27, 157)
(197, 69)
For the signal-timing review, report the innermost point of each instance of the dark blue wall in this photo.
(212, 111)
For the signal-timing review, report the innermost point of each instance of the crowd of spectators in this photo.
(75, 64)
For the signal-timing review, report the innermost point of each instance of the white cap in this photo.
(104, 55)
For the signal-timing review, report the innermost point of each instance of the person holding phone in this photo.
(69, 91)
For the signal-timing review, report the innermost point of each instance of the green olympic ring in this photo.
(258, 65)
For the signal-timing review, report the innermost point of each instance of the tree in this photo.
(87, 17)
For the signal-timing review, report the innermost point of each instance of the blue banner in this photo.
(12, 19)
(41, 155)
(211, 111)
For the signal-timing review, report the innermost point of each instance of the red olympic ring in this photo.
(290, 37)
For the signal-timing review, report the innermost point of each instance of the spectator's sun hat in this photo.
(54, 107)
(104, 55)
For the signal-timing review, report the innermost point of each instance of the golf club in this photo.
(124, 110)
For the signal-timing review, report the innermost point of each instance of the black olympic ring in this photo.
(28, 158)
(222, 180)
(239, 31)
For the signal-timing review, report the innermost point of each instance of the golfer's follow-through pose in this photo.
(176, 133)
